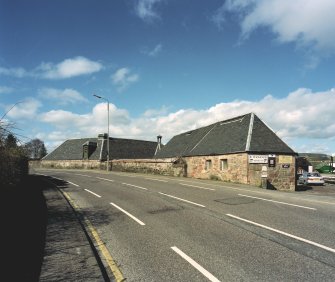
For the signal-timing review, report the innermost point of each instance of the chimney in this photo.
(102, 136)
(159, 143)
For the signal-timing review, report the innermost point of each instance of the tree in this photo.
(35, 149)
(11, 141)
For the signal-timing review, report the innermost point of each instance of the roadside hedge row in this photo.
(13, 167)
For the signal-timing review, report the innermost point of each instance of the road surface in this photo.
(156, 228)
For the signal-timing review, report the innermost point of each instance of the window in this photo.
(223, 164)
(208, 164)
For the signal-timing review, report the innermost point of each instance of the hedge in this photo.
(13, 167)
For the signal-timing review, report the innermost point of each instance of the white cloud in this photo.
(145, 9)
(69, 68)
(151, 113)
(26, 109)
(122, 78)
(303, 119)
(307, 23)
(16, 72)
(155, 51)
(219, 17)
(62, 97)
(66, 69)
(5, 90)
(64, 119)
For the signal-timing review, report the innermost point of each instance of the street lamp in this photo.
(11, 109)
(99, 97)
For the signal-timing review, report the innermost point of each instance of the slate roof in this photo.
(119, 149)
(246, 133)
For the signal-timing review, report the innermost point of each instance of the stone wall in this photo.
(239, 170)
(171, 167)
(280, 177)
(235, 172)
(76, 164)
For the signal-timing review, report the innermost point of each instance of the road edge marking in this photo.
(101, 245)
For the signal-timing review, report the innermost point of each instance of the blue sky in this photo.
(167, 66)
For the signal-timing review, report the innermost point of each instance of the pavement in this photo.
(43, 237)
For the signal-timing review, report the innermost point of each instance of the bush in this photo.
(13, 166)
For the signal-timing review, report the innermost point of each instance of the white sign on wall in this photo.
(258, 159)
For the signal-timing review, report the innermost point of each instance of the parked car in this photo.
(310, 178)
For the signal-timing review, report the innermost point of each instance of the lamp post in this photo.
(10, 109)
(100, 97)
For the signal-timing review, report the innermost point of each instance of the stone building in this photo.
(92, 152)
(242, 149)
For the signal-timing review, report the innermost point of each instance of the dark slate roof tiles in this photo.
(226, 137)
(119, 149)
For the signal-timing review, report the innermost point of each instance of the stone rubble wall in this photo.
(236, 171)
(69, 164)
(239, 170)
(280, 177)
(153, 166)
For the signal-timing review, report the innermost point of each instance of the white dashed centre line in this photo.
(131, 185)
(127, 213)
(283, 203)
(72, 183)
(93, 193)
(200, 187)
(284, 233)
(105, 179)
(82, 175)
(197, 266)
(155, 179)
(180, 199)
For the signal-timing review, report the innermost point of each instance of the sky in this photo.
(166, 67)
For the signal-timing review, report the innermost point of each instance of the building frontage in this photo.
(92, 152)
(242, 150)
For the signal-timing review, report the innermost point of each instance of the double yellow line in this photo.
(103, 249)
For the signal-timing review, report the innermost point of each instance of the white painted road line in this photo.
(72, 183)
(197, 266)
(92, 193)
(139, 187)
(40, 174)
(105, 179)
(182, 200)
(122, 174)
(82, 175)
(127, 213)
(283, 203)
(58, 178)
(284, 233)
(222, 186)
(156, 179)
(197, 186)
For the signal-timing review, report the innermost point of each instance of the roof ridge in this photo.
(203, 137)
(251, 127)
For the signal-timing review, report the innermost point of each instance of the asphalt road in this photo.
(155, 228)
